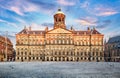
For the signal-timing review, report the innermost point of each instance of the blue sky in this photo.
(102, 14)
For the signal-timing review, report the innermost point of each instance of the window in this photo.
(25, 53)
(29, 58)
(18, 53)
(96, 53)
(77, 53)
(25, 58)
(37, 58)
(55, 58)
(18, 58)
(81, 53)
(55, 41)
(21, 53)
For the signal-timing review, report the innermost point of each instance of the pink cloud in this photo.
(16, 10)
(103, 11)
(20, 6)
(88, 21)
(107, 13)
(65, 2)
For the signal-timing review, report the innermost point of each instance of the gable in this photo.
(59, 30)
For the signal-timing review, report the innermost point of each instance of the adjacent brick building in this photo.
(6, 45)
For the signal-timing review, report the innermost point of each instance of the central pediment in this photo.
(59, 30)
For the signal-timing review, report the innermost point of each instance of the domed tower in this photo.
(59, 20)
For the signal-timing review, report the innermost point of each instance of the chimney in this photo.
(46, 29)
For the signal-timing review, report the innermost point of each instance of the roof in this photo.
(42, 32)
(114, 39)
(94, 31)
(4, 38)
(82, 32)
(88, 32)
(36, 32)
(26, 31)
(59, 11)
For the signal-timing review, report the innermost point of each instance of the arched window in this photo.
(29, 58)
(77, 53)
(37, 58)
(30, 53)
(25, 58)
(55, 58)
(59, 20)
(33, 58)
(67, 59)
(21, 53)
(56, 20)
(18, 53)
(18, 58)
(71, 59)
(51, 59)
(25, 53)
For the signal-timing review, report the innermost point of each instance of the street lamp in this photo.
(6, 46)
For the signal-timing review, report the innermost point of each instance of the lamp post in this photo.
(6, 46)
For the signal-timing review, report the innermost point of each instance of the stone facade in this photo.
(112, 49)
(3, 54)
(59, 43)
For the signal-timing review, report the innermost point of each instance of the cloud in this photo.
(104, 24)
(85, 4)
(16, 10)
(19, 6)
(48, 24)
(107, 13)
(44, 6)
(66, 2)
(22, 21)
(112, 33)
(101, 10)
(35, 26)
(8, 23)
(88, 21)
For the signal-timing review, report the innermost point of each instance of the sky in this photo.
(104, 15)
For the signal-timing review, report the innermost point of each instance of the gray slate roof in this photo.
(115, 39)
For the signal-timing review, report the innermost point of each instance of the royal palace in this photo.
(59, 43)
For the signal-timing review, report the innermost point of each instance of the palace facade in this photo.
(59, 43)
(6, 49)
